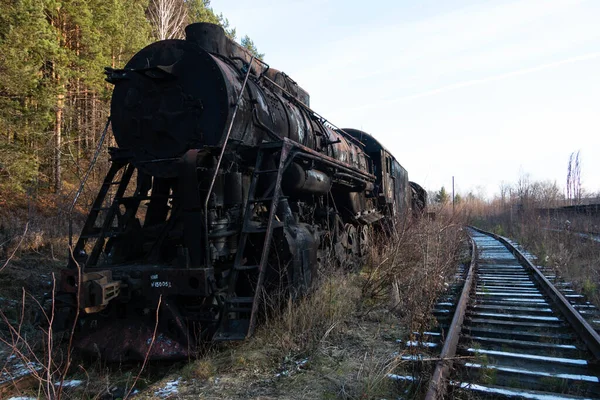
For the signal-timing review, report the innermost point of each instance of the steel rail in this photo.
(589, 336)
(437, 385)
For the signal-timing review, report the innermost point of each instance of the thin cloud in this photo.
(475, 82)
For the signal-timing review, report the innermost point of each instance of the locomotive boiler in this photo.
(225, 187)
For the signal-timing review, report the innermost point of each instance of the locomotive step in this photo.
(101, 208)
(227, 336)
(265, 199)
(111, 183)
(262, 229)
(240, 309)
(270, 146)
(245, 267)
(261, 199)
(240, 300)
(266, 171)
(232, 329)
(96, 234)
(134, 199)
(258, 229)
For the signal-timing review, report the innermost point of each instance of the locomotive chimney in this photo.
(213, 39)
(210, 37)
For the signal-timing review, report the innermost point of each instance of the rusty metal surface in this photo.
(225, 181)
(438, 383)
(147, 281)
(220, 159)
(124, 340)
(98, 289)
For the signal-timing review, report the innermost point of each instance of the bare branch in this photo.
(149, 350)
(16, 248)
(75, 321)
(167, 18)
(49, 385)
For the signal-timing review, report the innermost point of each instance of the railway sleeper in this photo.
(510, 382)
(493, 346)
(537, 303)
(512, 309)
(531, 362)
(525, 325)
(513, 316)
(528, 344)
(506, 290)
(519, 334)
(502, 283)
(505, 273)
(430, 336)
(486, 292)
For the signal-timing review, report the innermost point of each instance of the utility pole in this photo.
(452, 193)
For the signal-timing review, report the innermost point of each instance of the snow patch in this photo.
(70, 383)
(22, 398)
(299, 365)
(170, 388)
(401, 377)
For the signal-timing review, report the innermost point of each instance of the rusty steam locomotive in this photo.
(225, 183)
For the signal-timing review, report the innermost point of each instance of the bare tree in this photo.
(167, 18)
(574, 179)
(545, 193)
(504, 192)
(523, 189)
(569, 174)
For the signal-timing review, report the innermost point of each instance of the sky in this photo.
(482, 90)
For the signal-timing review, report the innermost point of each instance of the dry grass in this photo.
(339, 342)
(303, 327)
(414, 269)
(572, 257)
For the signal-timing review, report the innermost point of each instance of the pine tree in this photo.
(200, 11)
(249, 44)
(52, 92)
(53, 97)
(442, 196)
(27, 47)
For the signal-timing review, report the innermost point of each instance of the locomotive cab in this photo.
(392, 179)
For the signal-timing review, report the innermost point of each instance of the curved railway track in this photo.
(514, 334)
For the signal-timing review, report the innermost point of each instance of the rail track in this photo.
(514, 334)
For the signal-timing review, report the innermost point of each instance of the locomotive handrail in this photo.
(263, 63)
(243, 61)
(223, 147)
(307, 152)
(307, 108)
(85, 178)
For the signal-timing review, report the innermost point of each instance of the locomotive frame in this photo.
(245, 189)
